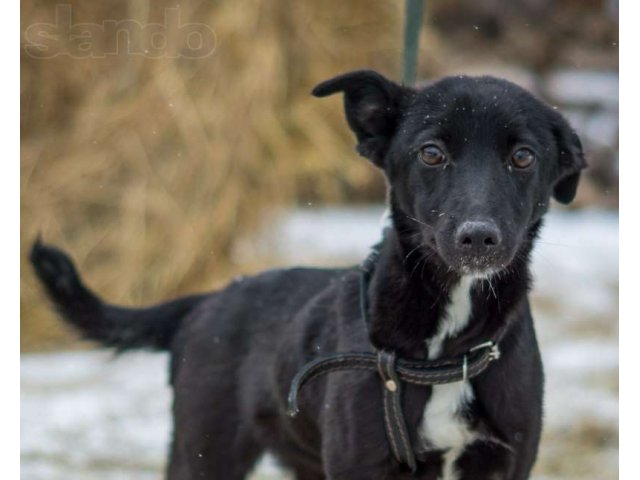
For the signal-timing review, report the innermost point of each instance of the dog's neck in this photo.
(411, 290)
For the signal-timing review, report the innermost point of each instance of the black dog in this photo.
(471, 164)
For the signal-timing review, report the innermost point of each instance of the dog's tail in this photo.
(122, 328)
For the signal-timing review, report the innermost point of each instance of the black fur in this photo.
(235, 351)
(122, 328)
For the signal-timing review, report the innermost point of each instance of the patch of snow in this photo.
(92, 415)
(312, 236)
(115, 414)
(583, 87)
(576, 260)
(583, 357)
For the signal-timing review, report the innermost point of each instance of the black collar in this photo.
(393, 372)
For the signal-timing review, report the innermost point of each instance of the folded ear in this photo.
(371, 104)
(571, 161)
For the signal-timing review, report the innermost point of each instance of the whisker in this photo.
(418, 221)
(555, 244)
(424, 264)
(412, 250)
(420, 260)
(495, 295)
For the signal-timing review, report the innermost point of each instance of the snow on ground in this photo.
(90, 415)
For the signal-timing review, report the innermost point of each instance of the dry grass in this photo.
(147, 169)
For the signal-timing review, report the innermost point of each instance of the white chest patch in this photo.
(442, 426)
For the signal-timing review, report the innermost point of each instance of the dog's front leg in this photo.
(355, 444)
(485, 461)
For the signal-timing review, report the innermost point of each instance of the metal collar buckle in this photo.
(495, 351)
(494, 354)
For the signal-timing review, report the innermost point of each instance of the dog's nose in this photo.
(478, 237)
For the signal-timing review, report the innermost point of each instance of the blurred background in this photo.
(168, 170)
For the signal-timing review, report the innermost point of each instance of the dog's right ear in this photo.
(371, 104)
(571, 162)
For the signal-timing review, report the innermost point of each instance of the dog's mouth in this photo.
(473, 258)
(477, 266)
(480, 267)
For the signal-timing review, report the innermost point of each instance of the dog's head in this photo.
(472, 161)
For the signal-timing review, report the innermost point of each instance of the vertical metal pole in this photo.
(412, 23)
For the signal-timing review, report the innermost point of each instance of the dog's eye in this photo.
(523, 158)
(432, 155)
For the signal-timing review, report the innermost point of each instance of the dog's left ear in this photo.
(371, 104)
(571, 162)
